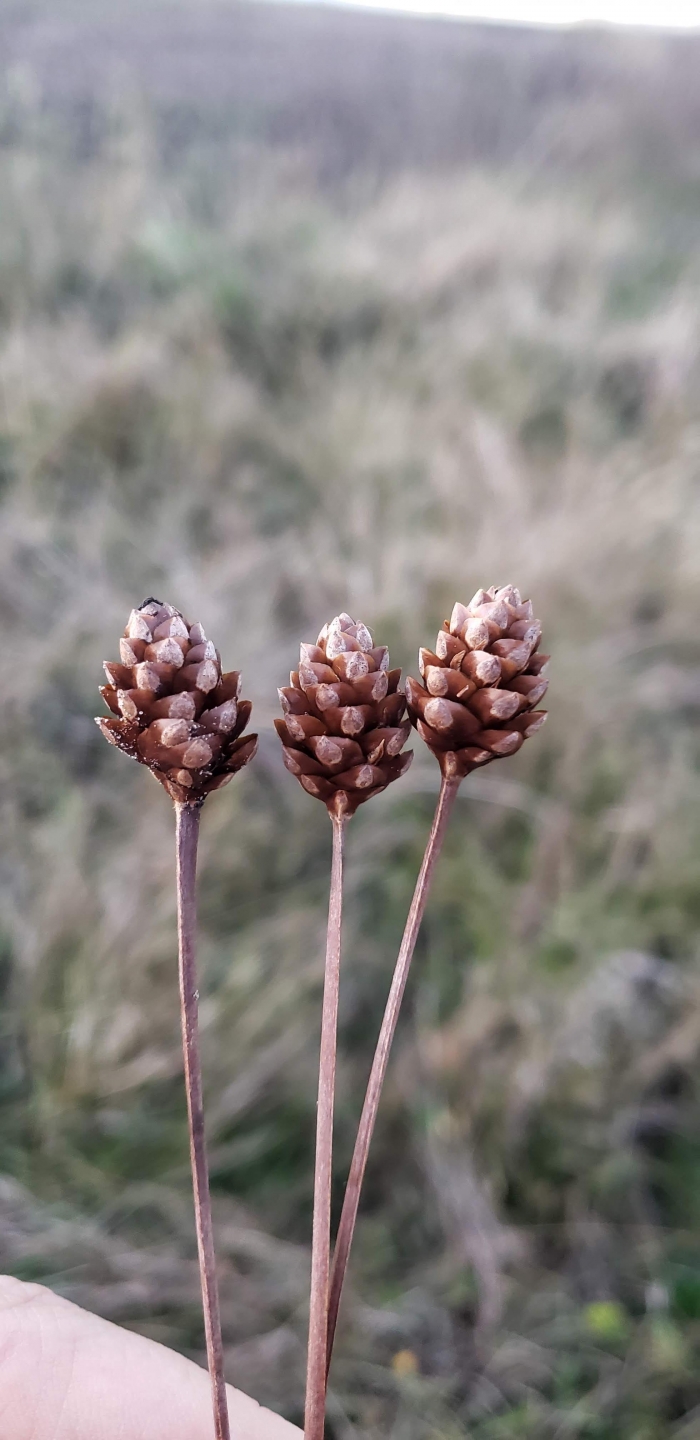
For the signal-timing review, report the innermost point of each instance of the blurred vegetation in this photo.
(302, 311)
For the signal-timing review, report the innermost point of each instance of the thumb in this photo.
(67, 1375)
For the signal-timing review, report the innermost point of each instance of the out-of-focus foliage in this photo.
(269, 356)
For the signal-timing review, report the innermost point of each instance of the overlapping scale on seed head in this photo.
(343, 729)
(481, 684)
(175, 710)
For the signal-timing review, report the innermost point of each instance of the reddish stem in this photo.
(187, 835)
(314, 1416)
(448, 791)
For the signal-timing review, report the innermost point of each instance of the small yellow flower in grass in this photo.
(405, 1362)
(606, 1321)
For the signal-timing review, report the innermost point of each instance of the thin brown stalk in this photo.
(187, 832)
(448, 791)
(314, 1416)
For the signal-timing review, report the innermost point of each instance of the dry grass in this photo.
(271, 401)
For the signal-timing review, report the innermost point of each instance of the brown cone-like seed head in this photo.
(176, 712)
(482, 682)
(342, 733)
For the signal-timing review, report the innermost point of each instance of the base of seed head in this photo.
(175, 710)
(343, 730)
(479, 687)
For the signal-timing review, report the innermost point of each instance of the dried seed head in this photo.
(175, 710)
(342, 734)
(481, 683)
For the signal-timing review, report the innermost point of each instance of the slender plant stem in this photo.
(314, 1416)
(187, 835)
(448, 791)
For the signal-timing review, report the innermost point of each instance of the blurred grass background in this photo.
(302, 311)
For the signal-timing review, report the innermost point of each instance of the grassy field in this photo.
(300, 312)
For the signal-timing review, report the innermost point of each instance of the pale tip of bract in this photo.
(197, 755)
(353, 722)
(481, 597)
(207, 676)
(102, 724)
(363, 637)
(183, 777)
(357, 665)
(327, 750)
(137, 627)
(168, 652)
(536, 719)
(438, 714)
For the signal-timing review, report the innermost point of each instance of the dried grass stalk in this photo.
(187, 836)
(476, 705)
(315, 1409)
(346, 1228)
(342, 737)
(179, 715)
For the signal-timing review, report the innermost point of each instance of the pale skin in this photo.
(67, 1375)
